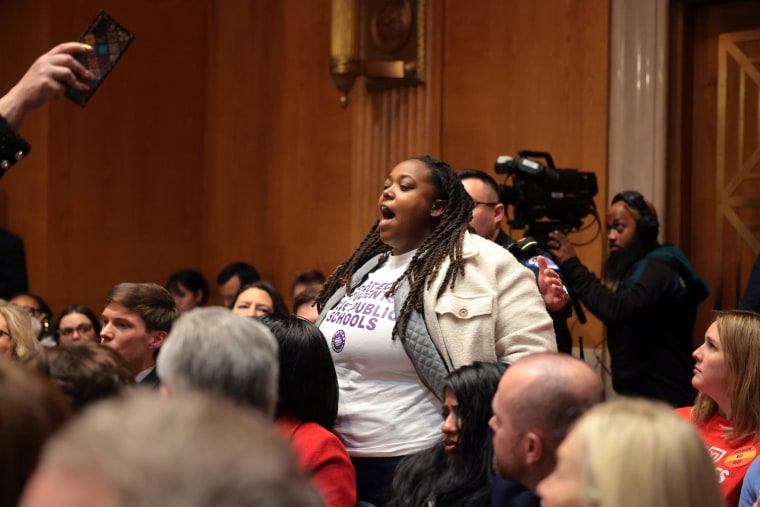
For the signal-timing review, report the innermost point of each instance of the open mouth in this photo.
(386, 213)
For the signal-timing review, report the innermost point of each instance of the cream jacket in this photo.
(494, 312)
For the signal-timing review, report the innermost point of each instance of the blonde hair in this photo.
(739, 332)
(638, 452)
(20, 328)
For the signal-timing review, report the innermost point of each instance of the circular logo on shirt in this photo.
(338, 341)
(740, 457)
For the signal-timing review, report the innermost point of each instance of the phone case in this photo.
(110, 40)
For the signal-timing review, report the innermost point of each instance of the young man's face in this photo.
(125, 332)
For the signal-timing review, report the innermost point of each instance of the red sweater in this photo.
(731, 460)
(321, 454)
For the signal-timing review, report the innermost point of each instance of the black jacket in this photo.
(559, 319)
(12, 146)
(650, 321)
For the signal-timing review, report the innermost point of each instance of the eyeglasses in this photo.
(5, 333)
(80, 329)
(478, 203)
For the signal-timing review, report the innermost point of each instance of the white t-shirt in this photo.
(384, 408)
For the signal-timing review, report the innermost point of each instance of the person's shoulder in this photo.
(8, 236)
(315, 443)
(668, 254)
(508, 493)
(672, 258)
(684, 412)
(474, 243)
(503, 239)
(306, 432)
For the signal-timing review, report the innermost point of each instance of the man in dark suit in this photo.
(136, 320)
(539, 398)
(487, 216)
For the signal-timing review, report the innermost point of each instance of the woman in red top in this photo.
(727, 409)
(307, 405)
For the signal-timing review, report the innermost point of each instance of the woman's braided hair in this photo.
(445, 241)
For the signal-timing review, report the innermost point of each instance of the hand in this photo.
(551, 286)
(560, 247)
(46, 78)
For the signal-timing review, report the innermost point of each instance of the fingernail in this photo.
(86, 47)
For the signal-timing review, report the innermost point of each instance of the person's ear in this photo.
(534, 447)
(198, 296)
(498, 213)
(439, 206)
(156, 339)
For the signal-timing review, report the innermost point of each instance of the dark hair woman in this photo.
(77, 323)
(258, 299)
(419, 298)
(189, 289)
(459, 469)
(307, 404)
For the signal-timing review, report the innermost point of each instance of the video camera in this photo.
(543, 197)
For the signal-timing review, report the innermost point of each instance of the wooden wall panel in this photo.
(390, 126)
(219, 136)
(722, 256)
(131, 179)
(529, 75)
(278, 175)
(121, 175)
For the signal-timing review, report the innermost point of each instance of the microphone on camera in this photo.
(526, 251)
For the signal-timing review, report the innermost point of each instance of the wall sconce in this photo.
(391, 44)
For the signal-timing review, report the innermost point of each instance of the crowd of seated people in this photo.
(390, 390)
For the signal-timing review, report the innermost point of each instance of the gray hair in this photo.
(189, 449)
(212, 349)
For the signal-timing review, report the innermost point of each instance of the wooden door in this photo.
(714, 144)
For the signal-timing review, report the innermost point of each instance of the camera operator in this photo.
(648, 302)
(486, 220)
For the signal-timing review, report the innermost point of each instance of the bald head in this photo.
(535, 384)
(538, 399)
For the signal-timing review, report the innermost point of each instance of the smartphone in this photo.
(110, 40)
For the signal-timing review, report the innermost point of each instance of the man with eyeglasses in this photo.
(487, 216)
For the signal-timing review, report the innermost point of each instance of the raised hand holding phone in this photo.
(109, 40)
